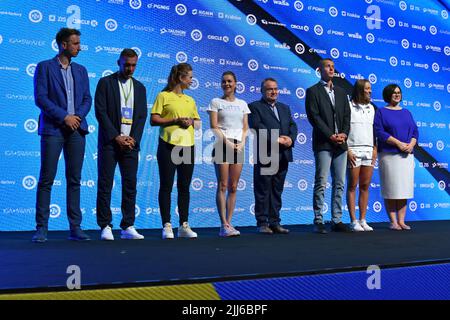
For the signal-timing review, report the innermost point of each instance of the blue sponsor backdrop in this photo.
(386, 41)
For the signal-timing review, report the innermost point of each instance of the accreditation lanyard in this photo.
(127, 111)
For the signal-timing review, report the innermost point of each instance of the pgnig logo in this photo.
(197, 184)
(300, 93)
(30, 125)
(253, 65)
(31, 68)
(181, 57)
(302, 185)
(196, 35)
(135, 4)
(301, 138)
(180, 9)
(55, 211)
(298, 5)
(35, 16)
(240, 87)
(413, 206)
(111, 25)
(29, 182)
(377, 206)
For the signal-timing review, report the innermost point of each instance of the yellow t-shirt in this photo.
(172, 105)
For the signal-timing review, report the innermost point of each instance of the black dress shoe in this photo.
(320, 228)
(78, 235)
(265, 230)
(340, 227)
(279, 229)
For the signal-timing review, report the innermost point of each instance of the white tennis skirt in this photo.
(396, 175)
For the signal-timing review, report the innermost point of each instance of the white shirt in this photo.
(230, 116)
(126, 89)
(361, 126)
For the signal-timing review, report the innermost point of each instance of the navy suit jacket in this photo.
(321, 114)
(262, 117)
(108, 110)
(50, 96)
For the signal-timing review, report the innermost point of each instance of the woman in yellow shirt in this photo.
(176, 114)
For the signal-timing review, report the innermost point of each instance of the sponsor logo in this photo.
(377, 207)
(301, 138)
(111, 25)
(55, 211)
(239, 40)
(35, 16)
(318, 29)
(253, 65)
(195, 84)
(298, 5)
(300, 93)
(299, 48)
(30, 125)
(251, 19)
(413, 206)
(240, 87)
(370, 38)
(29, 182)
(197, 184)
(302, 185)
(180, 9)
(196, 35)
(181, 57)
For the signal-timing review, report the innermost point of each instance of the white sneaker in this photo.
(236, 233)
(226, 231)
(167, 232)
(184, 231)
(107, 234)
(365, 226)
(130, 233)
(356, 227)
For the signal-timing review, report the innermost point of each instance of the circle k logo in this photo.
(302, 185)
(301, 138)
(318, 29)
(240, 87)
(181, 57)
(370, 38)
(111, 25)
(135, 4)
(239, 40)
(251, 19)
(55, 211)
(413, 206)
(35, 16)
(377, 206)
(30, 125)
(180, 9)
(29, 182)
(300, 93)
(197, 184)
(407, 82)
(300, 48)
(196, 35)
(298, 5)
(253, 65)
(30, 69)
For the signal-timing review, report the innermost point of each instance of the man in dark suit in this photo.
(61, 91)
(276, 132)
(121, 111)
(328, 111)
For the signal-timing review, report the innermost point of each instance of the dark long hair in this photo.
(358, 91)
(177, 71)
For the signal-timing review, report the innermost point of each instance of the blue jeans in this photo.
(73, 145)
(337, 162)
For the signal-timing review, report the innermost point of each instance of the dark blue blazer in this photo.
(50, 96)
(108, 110)
(262, 117)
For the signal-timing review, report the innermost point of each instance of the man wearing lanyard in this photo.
(61, 91)
(328, 112)
(121, 111)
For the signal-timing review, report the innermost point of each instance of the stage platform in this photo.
(31, 267)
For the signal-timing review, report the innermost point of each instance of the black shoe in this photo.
(279, 229)
(320, 228)
(40, 235)
(340, 227)
(78, 235)
(265, 230)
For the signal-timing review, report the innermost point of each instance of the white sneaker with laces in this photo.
(365, 226)
(107, 234)
(234, 231)
(130, 233)
(226, 231)
(185, 231)
(356, 227)
(167, 232)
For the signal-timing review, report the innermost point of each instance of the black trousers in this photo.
(108, 158)
(268, 190)
(167, 166)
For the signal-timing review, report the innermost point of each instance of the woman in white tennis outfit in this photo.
(361, 154)
(229, 121)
